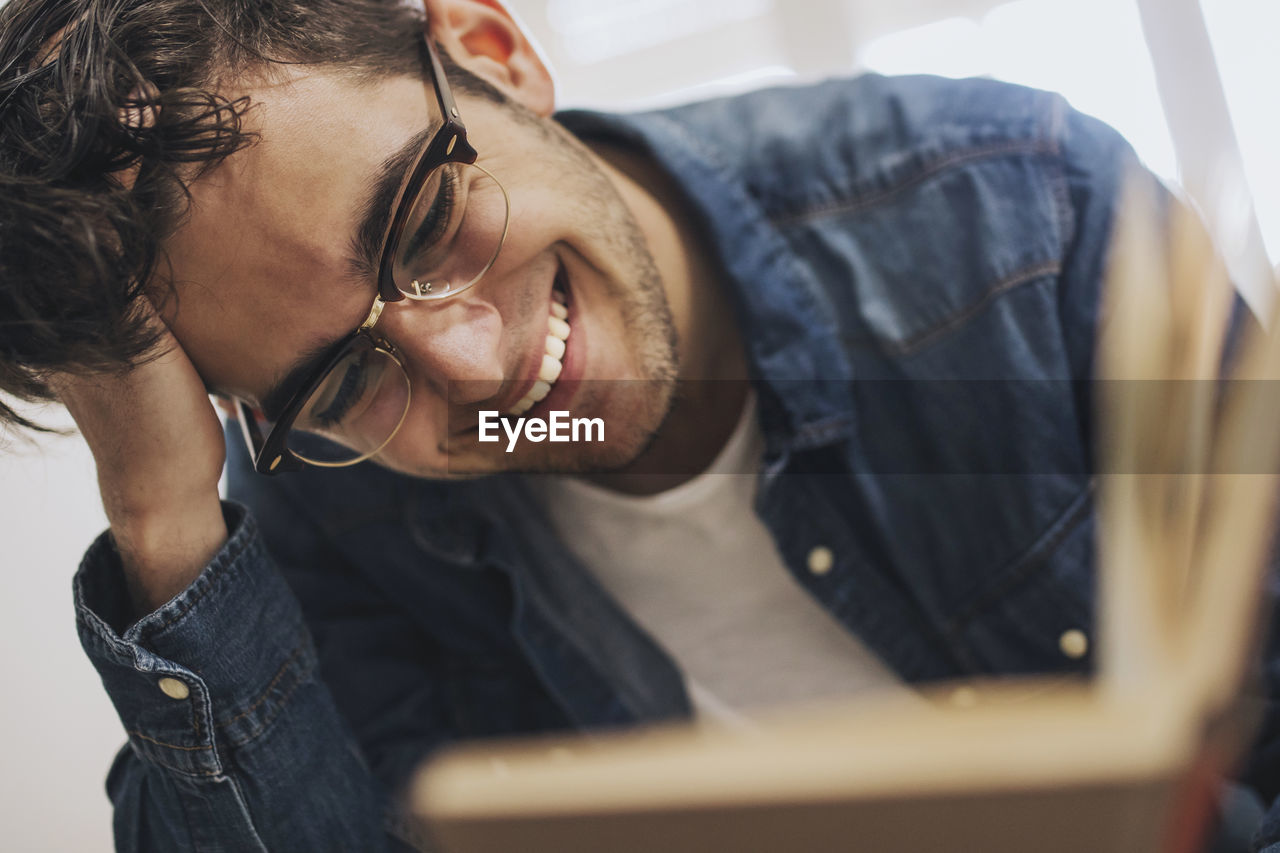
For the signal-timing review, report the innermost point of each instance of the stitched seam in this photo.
(267, 721)
(880, 196)
(1033, 562)
(195, 721)
(280, 673)
(284, 670)
(186, 820)
(148, 739)
(1013, 280)
(231, 563)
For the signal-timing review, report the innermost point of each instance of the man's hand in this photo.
(159, 450)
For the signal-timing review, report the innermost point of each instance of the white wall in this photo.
(59, 729)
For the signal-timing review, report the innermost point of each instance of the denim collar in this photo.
(796, 359)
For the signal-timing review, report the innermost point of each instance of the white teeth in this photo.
(550, 370)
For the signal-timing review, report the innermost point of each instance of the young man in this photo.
(368, 254)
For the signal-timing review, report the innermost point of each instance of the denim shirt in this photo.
(915, 266)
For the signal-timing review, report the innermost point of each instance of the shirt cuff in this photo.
(208, 671)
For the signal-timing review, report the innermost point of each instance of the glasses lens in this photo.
(354, 411)
(455, 229)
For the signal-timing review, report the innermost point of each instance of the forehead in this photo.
(261, 263)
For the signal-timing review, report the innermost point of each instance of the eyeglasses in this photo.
(450, 222)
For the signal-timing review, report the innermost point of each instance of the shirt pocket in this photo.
(1037, 616)
(935, 239)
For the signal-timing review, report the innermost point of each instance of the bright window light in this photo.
(1243, 33)
(596, 30)
(948, 48)
(755, 78)
(1091, 51)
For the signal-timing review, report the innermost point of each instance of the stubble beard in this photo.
(640, 406)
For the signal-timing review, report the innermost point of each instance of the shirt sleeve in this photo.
(234, 742)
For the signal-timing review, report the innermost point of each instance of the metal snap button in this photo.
(173, 688)
(821, 560)
(1074, 643)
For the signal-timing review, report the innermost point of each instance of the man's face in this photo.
(263, 275)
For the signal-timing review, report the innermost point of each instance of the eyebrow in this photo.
(274, 401)
(363, 259)
(376, 212)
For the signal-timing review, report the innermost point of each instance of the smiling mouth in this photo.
(553, 355)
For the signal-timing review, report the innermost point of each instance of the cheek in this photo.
(423, 433)
(519, 285)
(424, 448)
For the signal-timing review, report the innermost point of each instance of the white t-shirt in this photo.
(699, 571)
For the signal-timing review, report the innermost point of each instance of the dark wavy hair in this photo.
(79, 243)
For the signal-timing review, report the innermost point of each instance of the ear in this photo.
(482, 37)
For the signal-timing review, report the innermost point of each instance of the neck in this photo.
(711, 386)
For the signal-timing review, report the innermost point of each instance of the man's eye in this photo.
(330, 410)
(435, 224)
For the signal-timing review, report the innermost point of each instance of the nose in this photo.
(455, 346)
